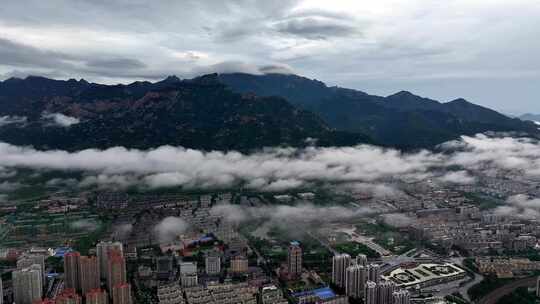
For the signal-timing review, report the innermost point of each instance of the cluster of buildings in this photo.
(222, 293)
(189, 273)
(476, 232)
(214, 292)
(189, 288)
(210, 261)
(362, 280)
(506, 267)
(82, 278)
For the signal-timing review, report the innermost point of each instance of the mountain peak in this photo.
(12, 80)
(405, 100)
(402, 94)
(35, 77)
(459, 101)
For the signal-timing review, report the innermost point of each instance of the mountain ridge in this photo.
(402, 119)
(292, 107)
(200, 113)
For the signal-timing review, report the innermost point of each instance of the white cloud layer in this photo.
(280, 213)
(8, 120)
(60, 120)
(457, 177)
(362, 168)
(169, 228)
(521, 206)
(85, 224)
(270, 170)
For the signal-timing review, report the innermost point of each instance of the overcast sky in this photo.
(486, 51)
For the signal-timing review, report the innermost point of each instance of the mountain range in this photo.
(232, 112)
(200, 113)
(402, 120)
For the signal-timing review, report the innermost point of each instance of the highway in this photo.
(497, 294)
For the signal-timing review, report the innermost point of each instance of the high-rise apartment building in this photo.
(121, 294)
(361, 259)
(1, 292)
(239, 264)
(385, 291)
(294, 259)
(88, 273)
(212, 263)
(370, 294)
(164, 267)
(71, 270)
(27, 284)
(188, 274)
(340, 263)
(538, 287)
(68, 296)
(116, 270)
(374, 274)
(401, 297)
(97, 296)
(102, 250)
(356, 278)
(27, 260)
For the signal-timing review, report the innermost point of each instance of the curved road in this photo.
(497, 294)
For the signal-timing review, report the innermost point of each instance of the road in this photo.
(355, 237)
(463, 290)
(497, 294)
(322, 242)
(369, 243)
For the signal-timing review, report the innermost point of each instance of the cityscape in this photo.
(440, 244)
(269, 152)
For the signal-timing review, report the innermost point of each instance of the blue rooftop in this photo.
(295, 243)
(206, 239)
(324, 293)
(61, 251)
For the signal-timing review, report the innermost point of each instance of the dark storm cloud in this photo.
(232, 32)
(316, 27)
(276, 69)
(21, 56)
(17, 54)
(116, 63)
